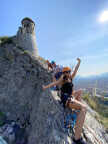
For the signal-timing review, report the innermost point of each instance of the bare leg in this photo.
(75, 104)
(77, 94)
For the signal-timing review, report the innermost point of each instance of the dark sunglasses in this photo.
(67, 72)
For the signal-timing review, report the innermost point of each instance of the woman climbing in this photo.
(68, 100)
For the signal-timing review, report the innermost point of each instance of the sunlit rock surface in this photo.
(21, 80)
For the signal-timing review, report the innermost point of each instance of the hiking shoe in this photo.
(79, 141)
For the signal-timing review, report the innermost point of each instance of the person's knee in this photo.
(79, 92)
(84, 108)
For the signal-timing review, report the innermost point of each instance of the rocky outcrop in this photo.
(21, 97)
(94, 130)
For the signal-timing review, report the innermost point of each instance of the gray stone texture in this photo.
(21, 94)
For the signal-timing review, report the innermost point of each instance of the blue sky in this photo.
(65, 30)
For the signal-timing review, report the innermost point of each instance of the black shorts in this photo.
(64, 98)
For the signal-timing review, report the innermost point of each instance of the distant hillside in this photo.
(100, 106)
(99, 81)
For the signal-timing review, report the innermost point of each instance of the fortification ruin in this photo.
(26, 37)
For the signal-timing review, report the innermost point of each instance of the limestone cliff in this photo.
(21, 95)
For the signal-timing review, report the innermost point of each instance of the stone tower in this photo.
(26, 37)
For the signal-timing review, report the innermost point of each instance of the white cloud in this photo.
(91, 73)
(104, 16)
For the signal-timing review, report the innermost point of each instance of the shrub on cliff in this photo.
(5, 39)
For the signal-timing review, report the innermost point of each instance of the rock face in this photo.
(21, 95)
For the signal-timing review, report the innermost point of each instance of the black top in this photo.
(67, 87)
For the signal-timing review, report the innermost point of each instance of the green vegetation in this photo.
(2, 118)
(20, 48)
(5, 39)
(98, 105)
(90, 101)
(25, 52)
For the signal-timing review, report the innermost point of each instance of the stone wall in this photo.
(26, 37)
(21, 80)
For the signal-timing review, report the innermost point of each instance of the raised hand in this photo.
(78, 59)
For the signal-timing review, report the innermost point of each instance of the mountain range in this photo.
(97, 81)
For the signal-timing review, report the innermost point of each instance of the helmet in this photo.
(66, 69)
(52, 62)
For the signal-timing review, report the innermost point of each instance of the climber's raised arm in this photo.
(76, 68)
(52, 84)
